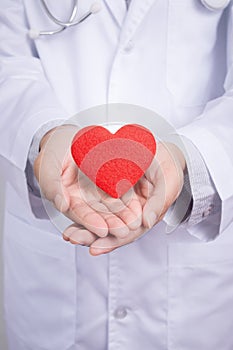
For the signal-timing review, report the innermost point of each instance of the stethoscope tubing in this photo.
(56, 20)
(64, 25)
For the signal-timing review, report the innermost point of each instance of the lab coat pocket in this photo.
(195, 53)
(40, 286)
(200, 297)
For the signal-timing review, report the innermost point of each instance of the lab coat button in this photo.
(129, 47)
(120, 313)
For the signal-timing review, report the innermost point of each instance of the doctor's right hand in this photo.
(73, 194)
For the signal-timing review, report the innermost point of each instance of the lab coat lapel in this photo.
(117, 9)
(138, 9)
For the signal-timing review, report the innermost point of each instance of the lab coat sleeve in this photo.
(27, 100)
(212, 135)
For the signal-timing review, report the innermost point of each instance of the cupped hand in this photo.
(156, 191)
(73, 194)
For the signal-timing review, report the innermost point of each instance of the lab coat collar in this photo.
(118, 10)
(137, 11)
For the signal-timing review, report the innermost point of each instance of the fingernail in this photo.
(65, 238)
(94, 251)
(151, 220)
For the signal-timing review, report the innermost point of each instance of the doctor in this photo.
(162, 291)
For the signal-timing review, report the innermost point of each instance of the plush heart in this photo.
(114, 162)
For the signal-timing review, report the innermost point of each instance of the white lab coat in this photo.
(161, 292)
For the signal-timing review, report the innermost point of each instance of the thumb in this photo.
(154, 206)
(52, 162)
(48, 171)
(150, 212)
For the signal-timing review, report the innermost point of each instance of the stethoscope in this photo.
(213, 5)
(72, 20)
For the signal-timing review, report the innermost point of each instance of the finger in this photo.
(153, 212)
(151, 173)
(78, 235)
(81, 213)
(69, 174)
(144, 188)
(92, 197)
(84, 191)
(167, 187)
(155, 203)
(110, 243)
(104, 245)
(116, 226)
(130, 215)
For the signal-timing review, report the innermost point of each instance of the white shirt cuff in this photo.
(198, 199)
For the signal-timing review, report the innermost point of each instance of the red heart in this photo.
(114, 162)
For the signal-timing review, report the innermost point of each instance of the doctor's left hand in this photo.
(156, 190)
(71, 192)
